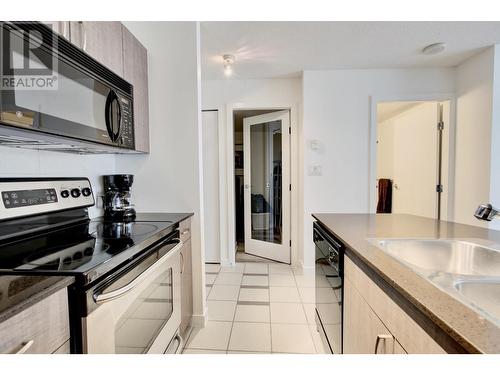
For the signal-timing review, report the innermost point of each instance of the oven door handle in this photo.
(106, 297)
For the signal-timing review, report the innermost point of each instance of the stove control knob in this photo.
(64, 193)
(86, 192)
(75, 193)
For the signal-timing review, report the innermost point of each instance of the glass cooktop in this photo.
(77, 249)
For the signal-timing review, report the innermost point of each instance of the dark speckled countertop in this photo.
(20, 292)
(473, 332)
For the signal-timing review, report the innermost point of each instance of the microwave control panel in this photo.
(127, 123)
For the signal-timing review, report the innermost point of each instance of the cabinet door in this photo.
(364, 332)
(187, 286)
(398, 349)
(135, 71)
(101, 40)
(60, 27)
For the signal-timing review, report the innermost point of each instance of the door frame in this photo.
(448, 171)
(226, 167)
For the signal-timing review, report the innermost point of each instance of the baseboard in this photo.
(199, 320)
(306, 270)
(225, 263)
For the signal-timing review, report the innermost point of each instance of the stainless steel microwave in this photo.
(52, 90)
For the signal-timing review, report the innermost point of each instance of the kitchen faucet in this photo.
(486, 212)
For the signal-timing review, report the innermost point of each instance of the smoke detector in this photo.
(434, 49)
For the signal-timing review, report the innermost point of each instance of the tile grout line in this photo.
(305, 312)
(234, 315)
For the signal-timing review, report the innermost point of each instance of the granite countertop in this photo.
(472, 331)
(17, 293)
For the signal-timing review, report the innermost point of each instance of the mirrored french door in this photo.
(266, 142)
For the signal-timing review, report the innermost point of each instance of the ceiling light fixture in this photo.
(433, 49)
(228, 61)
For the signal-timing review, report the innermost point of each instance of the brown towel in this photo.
(384, 205)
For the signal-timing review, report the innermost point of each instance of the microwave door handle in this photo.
(106, 297)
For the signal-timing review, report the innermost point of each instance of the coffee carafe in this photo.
(117, 197)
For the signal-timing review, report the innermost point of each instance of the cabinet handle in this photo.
(25, 346)
(65, 31)
(380, 338)
(84, 36)
(182, 263)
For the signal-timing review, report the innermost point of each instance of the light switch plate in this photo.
(314, 170)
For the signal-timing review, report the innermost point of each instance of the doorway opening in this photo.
(412, 162)
(261, 185)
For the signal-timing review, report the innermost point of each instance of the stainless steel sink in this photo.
(467, 271)
(484, 294)
(451, 256)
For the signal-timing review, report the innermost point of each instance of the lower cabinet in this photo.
(375, 324)
(186, 278)
(40, 329)
(364, 332)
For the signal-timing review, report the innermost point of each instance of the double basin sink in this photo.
(464, 269)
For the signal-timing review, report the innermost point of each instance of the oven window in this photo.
(146, 316)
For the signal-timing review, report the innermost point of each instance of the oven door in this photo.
(140, 311)
(72, 102)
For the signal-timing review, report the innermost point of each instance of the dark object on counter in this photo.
(117, 197)
(384, 205)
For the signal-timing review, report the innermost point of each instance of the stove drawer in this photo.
(40, 329)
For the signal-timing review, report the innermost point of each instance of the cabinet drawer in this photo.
(40, 329)
(185, 229)
(408, 333)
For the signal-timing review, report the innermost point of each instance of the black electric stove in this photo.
(65, 241)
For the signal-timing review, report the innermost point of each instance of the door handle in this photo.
(102, 298)
(380, 338)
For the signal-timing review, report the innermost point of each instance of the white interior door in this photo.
(210, 133)
(266, 143)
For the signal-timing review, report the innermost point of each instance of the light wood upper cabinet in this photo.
(135, 71)
(102, 40)
(60, 27)
(370, 312)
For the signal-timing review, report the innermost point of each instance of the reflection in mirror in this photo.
(266, 181)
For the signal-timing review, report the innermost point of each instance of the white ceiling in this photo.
(284, 49)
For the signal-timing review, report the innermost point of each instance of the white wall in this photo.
(168, 179)
(16, 162)
(217, 94)
(336, 113)
(495, 137)
(473, 135)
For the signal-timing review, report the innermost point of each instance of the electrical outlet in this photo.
(315, 170)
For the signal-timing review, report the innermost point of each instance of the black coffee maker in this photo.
(117, 197)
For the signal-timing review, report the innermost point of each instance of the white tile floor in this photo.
(259, 308)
